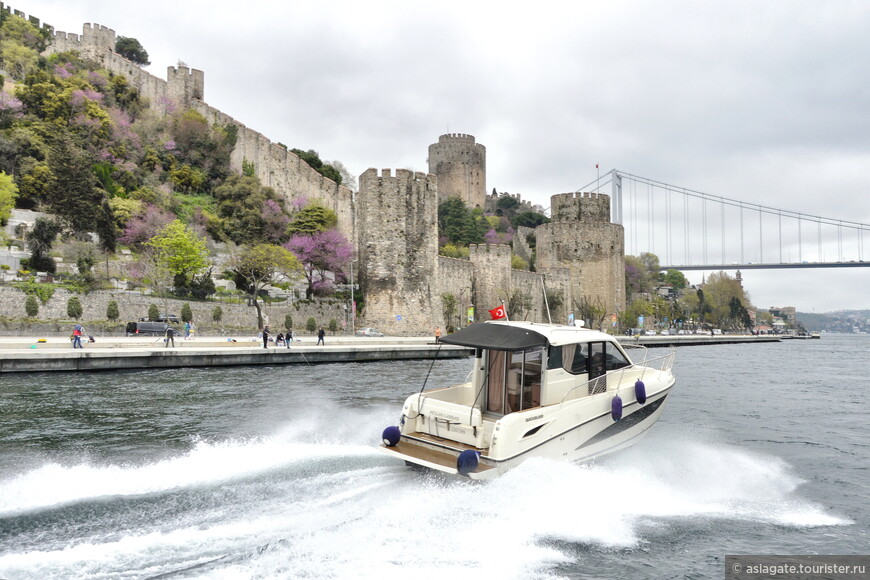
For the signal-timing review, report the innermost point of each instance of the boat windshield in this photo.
(513, 380)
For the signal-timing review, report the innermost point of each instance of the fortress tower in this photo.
(397, 225)
(460, 165)
(582, 240)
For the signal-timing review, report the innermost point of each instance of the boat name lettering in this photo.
(442, 415)
(535, 418)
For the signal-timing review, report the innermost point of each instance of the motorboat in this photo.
(535, 390)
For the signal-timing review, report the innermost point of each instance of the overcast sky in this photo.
(764, 102)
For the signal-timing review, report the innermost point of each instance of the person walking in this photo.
(187, 331)
(320, 334)
(170, 336)
(288, 338)
(78, 330)
(437, 334)
(265, 337)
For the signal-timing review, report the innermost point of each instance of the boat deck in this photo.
(445, 442)
(406, 449)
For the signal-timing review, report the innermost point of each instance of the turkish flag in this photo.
(498, 312)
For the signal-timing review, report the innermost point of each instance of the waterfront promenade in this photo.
(55, 354)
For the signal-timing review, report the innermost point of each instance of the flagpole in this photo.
(597, 177)
(506, 317)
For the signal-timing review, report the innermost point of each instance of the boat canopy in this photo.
(497, 337)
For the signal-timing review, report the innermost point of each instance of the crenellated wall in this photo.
(185, 88)
(585, 242)
(397, 244)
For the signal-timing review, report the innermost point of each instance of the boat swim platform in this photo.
(19, 355)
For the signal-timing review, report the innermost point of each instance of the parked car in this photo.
(168, 318)
(145, 328)
(649, 332)
(665, 332)
(369, 332)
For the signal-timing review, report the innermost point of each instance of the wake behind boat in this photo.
(536, 390)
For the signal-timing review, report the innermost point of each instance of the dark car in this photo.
(168, 318)
(144, 328)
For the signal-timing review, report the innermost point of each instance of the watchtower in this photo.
(460, 165)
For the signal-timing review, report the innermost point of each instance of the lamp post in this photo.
(351, 310)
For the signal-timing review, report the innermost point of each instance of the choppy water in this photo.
(271, 473)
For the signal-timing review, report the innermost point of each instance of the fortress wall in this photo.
(397, 229)
(456, 277)
(492, 276)
(580, 207)
(594, 253)
(185, 88)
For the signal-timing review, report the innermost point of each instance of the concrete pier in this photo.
(55, 354)
(23, 355)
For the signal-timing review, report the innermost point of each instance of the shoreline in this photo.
(55, 354)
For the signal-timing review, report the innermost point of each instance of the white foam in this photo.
(386, 521)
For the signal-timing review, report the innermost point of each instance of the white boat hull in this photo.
(581, 442)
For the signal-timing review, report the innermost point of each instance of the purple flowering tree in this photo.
(144, 226)
(275, 221)
(319, 254)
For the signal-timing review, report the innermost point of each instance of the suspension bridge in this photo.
(692, 230)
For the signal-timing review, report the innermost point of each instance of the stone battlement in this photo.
(580, 207)
(453, 137)
(4, 9)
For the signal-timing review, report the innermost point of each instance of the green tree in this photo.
(675, 279)
(8, 194)
(260, 265)
(217, 313)
(459, 224)
(73, 193)
(448, 308)
(153, 312)
(312, 158)
(31, 306)
(39, 240)
(74, 308)
(132, 50)
(186, 313)
(180, 250)
(312, 219)
(241, 201)
(311, 324)
(288, 321)
(333, 325)
(112, 312)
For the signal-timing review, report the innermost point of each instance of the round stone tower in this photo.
(460, 165)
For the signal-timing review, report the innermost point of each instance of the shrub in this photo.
(31, 306)
(333, 325)
(153, 313)
(311, 325)
(74, 308)
(288, 321)
(186, 314)
(112, 311)
(217, 313)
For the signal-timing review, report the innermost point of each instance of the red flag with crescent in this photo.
(498, 312)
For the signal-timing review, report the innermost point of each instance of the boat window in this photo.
(571, 357)
(614, 359)
(514, 380)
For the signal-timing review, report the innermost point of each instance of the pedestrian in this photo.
(265, 337)
(78, 330)
(279, 340)
(288, 338)
(187, 330)
(437, 334)
(170, 336)
(192, 330)
(320, 334)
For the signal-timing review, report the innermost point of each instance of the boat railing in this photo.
(622, 377)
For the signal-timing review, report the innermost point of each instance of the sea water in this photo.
(271, 472)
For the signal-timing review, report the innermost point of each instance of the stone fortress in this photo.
(394, 219)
